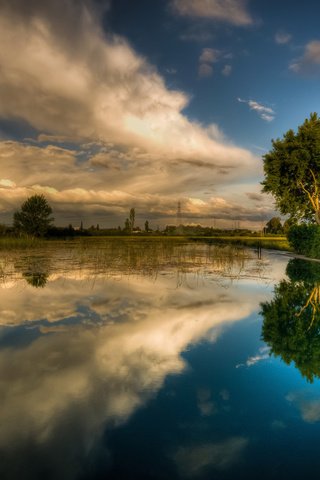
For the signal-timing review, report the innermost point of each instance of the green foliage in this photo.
(292, 171)
(305, 239)
(34, 217)
(291, 321)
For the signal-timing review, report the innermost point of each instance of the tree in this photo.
(274, 225)
(291, 321)
(127, 225)
(292, 171)
(146, 226)
(34, 217)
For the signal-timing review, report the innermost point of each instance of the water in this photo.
(158, 360)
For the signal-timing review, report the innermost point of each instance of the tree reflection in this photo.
(35, 270)
(36, 279)
(291, 325)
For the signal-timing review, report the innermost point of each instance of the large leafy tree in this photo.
(34, 217)
(292, 171)
(291, 321)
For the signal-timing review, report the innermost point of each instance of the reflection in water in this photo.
(292, 319)
(115, 257)
(98, 345)
(35, 271)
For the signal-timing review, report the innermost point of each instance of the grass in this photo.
(276, 243)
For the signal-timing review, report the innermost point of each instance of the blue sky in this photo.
(116, 104)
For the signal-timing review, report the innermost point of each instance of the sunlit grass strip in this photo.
(272, 243)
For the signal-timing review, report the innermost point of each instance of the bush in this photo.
(305, 239)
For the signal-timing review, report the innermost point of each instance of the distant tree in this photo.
(274, 226)
(127, 225)
(132, 216)
(292, 171)
(146, 226)
(286, 226)
(34, 217)
(81, 226)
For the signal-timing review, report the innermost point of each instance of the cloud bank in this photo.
(112, 135)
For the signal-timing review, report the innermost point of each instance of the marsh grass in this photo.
(114, 257)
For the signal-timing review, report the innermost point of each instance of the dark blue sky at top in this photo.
(260, 66)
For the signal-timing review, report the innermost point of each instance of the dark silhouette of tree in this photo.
(34, 217)
(292, 171)
(291, 321)
(132, 216)
(146, 226)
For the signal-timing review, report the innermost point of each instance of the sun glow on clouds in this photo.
(85, 87)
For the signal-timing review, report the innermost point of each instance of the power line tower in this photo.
(179, 228)
(179, 220)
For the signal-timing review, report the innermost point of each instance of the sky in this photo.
(107, 105)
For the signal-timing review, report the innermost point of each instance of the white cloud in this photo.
(263, 354)
(282, 38)
(228, 11)
(222, 455)
(309, 62)
(266, 113)
(226, 71)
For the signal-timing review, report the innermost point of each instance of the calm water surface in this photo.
(158, 360)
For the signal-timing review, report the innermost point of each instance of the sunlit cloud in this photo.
(104, 181)
(124, 126)
(229, 11)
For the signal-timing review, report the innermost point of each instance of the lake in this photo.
(158, 359)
